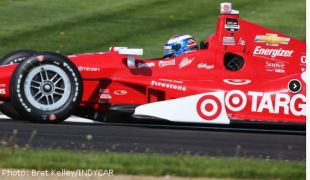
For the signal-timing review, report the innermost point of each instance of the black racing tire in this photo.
(13, 58)
(17, 57)
(46, 88)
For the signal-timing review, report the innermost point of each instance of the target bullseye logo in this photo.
(235, 100)
(226, 8)
(209, 107)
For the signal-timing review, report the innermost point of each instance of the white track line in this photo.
(71, 119)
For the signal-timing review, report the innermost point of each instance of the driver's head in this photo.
(179, 44)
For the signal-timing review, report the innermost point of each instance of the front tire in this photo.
(46, 88)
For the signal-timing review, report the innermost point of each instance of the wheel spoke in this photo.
(57, 93)
(41, 76)
(47, 100)
(52, 97)
(46, 75)
(36, 87)
(54, 77)
(57, 80)
(36, 82)
(58, 88)
(39, 92)
(40, 97)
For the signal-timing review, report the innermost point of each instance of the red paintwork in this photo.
(134, 86)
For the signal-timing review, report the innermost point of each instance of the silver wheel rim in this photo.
(47, 87)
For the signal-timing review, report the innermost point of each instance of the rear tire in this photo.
(46, 88)
(17, 57)
(14, 58)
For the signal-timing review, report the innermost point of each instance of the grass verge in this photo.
(152, 164)
(87, 26)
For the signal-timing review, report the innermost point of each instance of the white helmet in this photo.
(179, 44)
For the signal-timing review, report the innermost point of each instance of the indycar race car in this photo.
(242, 72)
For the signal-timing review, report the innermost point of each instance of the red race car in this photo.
(242, 72)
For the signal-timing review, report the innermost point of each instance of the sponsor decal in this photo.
(120, 92)
(302, 64)
(202, 108)
(185, 62)
(171, 81)
(89, 69)
(241, 42)
(232, 25)
(226, 8)
(205, 66)
(2, 91)
(228, 40)
(277, 67)
(166, 63)
(237, 82)
(236, 101)
(213, 107)
(272, 52)
(271, 39)
(209, 107)
(168, 85)
(303, 59)
(146, 65)
(104, 94)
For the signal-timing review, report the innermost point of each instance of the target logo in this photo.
(237, 82)
(226, 8)
(209, 107)
(235, 100)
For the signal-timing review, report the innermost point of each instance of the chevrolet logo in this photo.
(271, 39)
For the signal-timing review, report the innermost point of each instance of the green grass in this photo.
(153, 164)
(74, 26)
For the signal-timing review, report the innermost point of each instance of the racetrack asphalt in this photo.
(156, 139)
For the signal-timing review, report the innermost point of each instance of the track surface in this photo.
(158, 139)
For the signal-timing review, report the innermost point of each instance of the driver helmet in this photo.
(179, 44)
